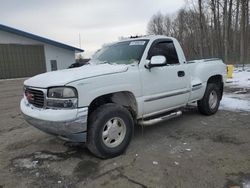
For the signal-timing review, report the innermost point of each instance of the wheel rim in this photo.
(114, 132)
(213, 98)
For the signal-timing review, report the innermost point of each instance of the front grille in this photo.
(35, 97)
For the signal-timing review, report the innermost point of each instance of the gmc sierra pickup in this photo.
(138, 81)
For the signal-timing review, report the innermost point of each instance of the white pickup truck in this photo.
(141, 81)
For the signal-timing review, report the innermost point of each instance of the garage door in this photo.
(17, 61)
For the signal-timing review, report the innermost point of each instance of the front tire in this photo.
(110, 130)
(210, 102)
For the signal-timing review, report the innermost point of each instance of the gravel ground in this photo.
(189, 151)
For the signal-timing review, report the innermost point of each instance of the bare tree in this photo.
(247, 52)
(225, 32)
(242, 34)
(215, 26)
(236, 26)
(209, 28)
(201, 28)
(167, 26)
(156, 24)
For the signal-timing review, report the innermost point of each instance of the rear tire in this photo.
(210, 102)
(110, 130)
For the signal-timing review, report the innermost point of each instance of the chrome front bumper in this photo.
(70, 124)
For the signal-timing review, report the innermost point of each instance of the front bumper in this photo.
(68, 124)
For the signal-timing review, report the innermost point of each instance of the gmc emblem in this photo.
(29, 96)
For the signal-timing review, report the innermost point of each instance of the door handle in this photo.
(181, 73)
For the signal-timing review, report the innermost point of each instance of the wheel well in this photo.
(217, 79)
(123, 98)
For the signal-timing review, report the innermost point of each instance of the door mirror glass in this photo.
(157, 61)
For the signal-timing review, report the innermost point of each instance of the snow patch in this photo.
(176, 163)
(237, 100)
(241, 79)
(25, 163)
(234, 104)
(155, 163)
(39, 155)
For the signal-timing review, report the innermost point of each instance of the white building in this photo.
(24, 54)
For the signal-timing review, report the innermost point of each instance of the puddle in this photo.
(236, 90)
(243, 91)
(37, 165)
(85, 168)
(221, 138)
(36, 159)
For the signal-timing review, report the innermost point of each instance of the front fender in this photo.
(89, 89)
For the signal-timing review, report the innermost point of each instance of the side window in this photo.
(166, 49)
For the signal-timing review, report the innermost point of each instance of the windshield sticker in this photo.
(140, 43)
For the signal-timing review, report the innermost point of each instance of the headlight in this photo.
(62, 92)
(62, 97)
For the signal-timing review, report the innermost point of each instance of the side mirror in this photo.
(157, 61)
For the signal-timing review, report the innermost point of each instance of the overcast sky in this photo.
(97, 21)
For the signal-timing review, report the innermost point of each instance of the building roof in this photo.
(38, 38)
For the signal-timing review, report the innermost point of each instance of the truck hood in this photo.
(62, 77)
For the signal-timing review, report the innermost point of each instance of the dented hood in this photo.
(62, 77)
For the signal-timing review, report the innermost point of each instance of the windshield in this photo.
(127, 52)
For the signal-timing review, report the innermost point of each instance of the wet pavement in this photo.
(190, 151)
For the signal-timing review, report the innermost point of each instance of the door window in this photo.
(166, 49)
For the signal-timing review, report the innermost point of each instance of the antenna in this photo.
(80, 41)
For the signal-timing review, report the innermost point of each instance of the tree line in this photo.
(209, 28)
